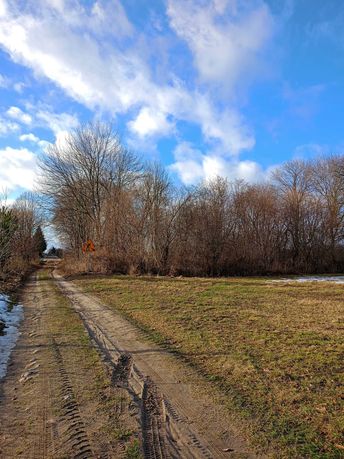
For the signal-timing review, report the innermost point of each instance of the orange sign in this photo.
(88, 246)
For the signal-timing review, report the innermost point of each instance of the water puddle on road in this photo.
(11, 314)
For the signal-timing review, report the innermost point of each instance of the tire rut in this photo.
(43, 442)
(75, 432)
(142, 391)
(160, 439)
(153, 422)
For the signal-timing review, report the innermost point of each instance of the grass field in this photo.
(275, 350)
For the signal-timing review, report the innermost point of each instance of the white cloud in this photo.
(192, 166)
(19, 86)
(74, 51)
(7, 126)
(54, 47)
(249, 171)
(105, 14)
(43, 116)
(189, 171)
(8, 83)
(17, 114)
(57, 122)
(43, 144)
(3, 8)
(150, 122)
(29, 137)
(58, 5)
(224, 46)
(227, 126)
(17, 169)
(188, 164)
(61, 138)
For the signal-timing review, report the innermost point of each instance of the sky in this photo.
(206, 87)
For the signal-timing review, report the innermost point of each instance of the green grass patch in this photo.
(133, 450)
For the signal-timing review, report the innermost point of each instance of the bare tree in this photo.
(328, 184)
(92, 166)
(18, 224)
(141, 221)
(293, 181)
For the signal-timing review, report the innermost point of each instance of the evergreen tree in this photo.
(40, 244)
(8, 224)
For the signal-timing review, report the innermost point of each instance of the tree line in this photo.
(21, 238)
(141, 222)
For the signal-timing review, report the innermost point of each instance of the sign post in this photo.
(88, 247)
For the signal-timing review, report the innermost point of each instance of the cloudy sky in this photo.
(207, 87)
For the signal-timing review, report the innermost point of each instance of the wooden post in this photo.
(88, 262)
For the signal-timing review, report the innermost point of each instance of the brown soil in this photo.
(56, 400)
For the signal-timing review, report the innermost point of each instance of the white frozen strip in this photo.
(335, 279)
(11, 317)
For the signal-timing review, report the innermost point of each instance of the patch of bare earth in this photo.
(57, 400)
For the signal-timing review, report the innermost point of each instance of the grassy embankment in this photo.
(275, 350)
(89, 376)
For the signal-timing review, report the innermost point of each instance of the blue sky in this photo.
(217, 87)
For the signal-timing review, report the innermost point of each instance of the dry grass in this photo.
(275, 350)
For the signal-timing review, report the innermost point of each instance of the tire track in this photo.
(75, 431)
(153, 420)
(143, 391)
(175, 434)
(41, 444)
(54, 402)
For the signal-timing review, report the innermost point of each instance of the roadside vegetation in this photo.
(141, 222)
(275, 350)
(22, 241)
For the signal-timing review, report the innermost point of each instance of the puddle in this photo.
(335, 279)
(11, 314)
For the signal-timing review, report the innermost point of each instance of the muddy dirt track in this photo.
(175, 417)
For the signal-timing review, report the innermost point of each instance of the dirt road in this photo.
(164, 399)
(57, 400)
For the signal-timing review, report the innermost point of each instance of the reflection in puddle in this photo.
(10, 315)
